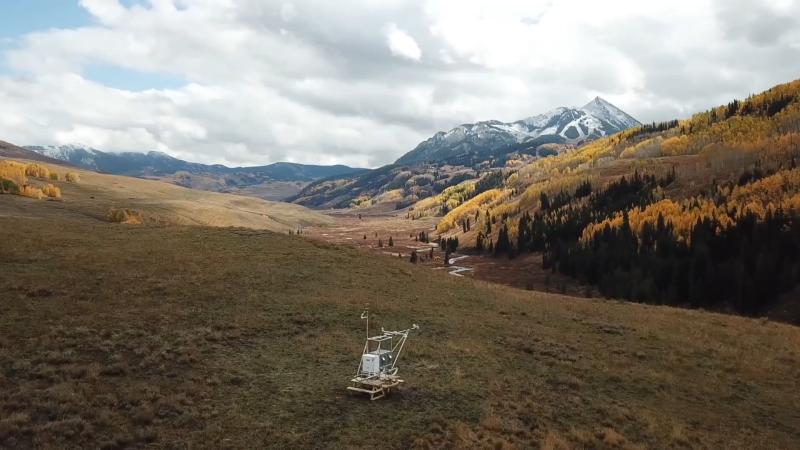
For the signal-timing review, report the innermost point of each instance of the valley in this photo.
(425, 225)
(138, 313)
(371, 229)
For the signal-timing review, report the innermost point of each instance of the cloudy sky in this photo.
(244, 82)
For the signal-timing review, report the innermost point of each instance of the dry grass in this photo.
(37, 171)
(171, 337)
(95, 194)
(13, 171)
(14, 175)
(51, 191)
(124, 215)
(31, 192)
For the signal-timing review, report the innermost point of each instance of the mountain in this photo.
(9, 150)
(562, 125)
(466, 153)
(158, 163)
(701, 212)
(272, 182)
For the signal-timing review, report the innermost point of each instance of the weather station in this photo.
(377, 369)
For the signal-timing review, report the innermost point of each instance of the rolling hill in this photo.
(95, 195)
(273, 182)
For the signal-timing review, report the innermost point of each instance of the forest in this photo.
(702, 212)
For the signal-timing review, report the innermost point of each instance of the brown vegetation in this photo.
(230, 338)
(37, 171)
(14, 180)
(92, 195)
(124, 215)
(51, 191)
(13, 172)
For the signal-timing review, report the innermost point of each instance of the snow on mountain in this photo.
(78, 154)
(605, 111)
(596, 119)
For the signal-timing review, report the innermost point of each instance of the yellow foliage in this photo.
(675, 145)
(14, 172)
(363, 201)
(37, 171)
(54, 176)
(31, 191)
(759, 198)
(124, 215)
(469, 207)
(72, 177)
(649, 148)
(51, 191)
(453, 196)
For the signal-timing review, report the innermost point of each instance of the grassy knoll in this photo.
(188, 337)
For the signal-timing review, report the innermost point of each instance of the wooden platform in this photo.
(376, 388)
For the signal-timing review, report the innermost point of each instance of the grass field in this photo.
(120, 336)
(157, 202)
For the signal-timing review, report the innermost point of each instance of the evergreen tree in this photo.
(503, 246)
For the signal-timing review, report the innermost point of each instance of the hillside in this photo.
(95, 196)
(702, 212)
(397, 185)
(115, 336)
(273, 182)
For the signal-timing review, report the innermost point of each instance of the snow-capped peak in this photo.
(560, 125)
(604, 110)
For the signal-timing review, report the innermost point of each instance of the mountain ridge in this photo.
(155, 163)
(561, 125)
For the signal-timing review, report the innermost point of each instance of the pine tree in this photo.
(414, 257)
(391, 242)
(380, 243)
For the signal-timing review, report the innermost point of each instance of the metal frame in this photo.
(378, 385)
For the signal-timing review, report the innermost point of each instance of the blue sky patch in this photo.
(130, 79)
(22, 17)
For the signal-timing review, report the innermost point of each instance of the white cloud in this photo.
(342, 82)
(288, 12)
(401, 44)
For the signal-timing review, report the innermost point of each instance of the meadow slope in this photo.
(120, 336)
(157, 202)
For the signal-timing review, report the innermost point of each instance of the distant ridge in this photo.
(160, 164)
